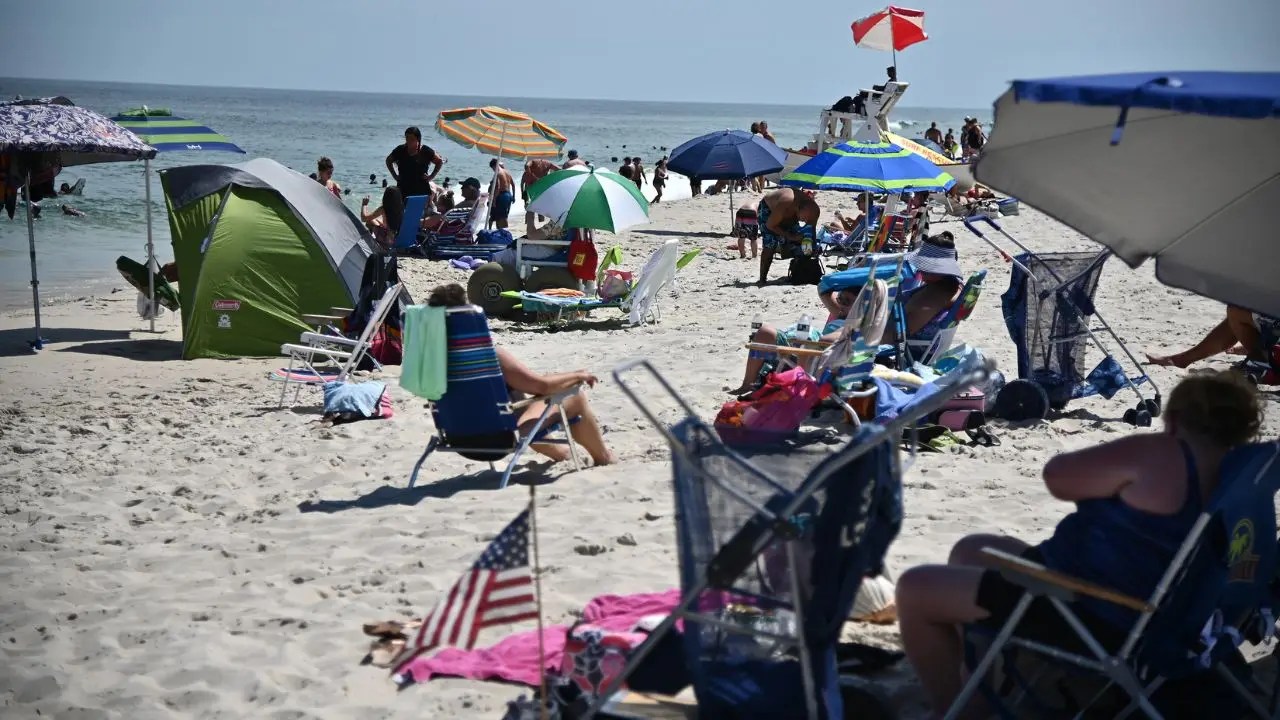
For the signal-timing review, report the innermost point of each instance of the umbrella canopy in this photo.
(1108, 155)
(587, 197)
(892, 28)
(498, 131)
(727, 155)
(79, 136)
(167, 133)
(882, 167)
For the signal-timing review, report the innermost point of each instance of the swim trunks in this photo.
(768, 239)
(502, 204)
(746, 225)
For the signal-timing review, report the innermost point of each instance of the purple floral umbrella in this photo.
(77, 136)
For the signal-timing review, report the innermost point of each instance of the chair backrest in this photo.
(658, 271)
(1228, 571)
(415, 207)
(475, 409)
(389, 300)
(845, 528)
(925, 351)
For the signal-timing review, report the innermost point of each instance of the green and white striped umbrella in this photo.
(587, 197)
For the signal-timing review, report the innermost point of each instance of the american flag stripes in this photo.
(496, 590)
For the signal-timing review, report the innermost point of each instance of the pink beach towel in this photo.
(515, 657)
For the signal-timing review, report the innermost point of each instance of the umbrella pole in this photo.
(38, 343)
(151, 251)
(731, 218)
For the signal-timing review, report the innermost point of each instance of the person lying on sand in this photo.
(523, 382)
(1240, 332)
(1136, 500)
(780, 213)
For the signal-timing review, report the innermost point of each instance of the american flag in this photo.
(496, 590)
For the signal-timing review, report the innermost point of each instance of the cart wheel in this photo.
(1021, 400)
(1151, 405)
(1131, 416)
(486, 285)
(1141, 418)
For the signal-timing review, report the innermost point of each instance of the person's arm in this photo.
(391, 166)
(437, 162)
(1100, 471)
(521, 378)
(829, 302)
(925, 305)
(776, 224)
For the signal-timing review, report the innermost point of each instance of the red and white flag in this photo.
(496, 590)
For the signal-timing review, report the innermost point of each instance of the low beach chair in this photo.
(408, 240)
(475, 417)
(640, 304)
(343, 354)
(773, 546)
(459, 233)
(1192, 623)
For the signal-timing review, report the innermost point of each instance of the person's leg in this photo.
(1246, 333)
(742, 247)
(532, 412)
(755, 246)
(933, 601)
(766, 259)
(1220, 339)
(969, 550)
(766, 335)
(586, 431)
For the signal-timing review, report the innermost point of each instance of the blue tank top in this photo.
(1108, 542)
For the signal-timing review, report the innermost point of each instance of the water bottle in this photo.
(756, 323)
(802, 328)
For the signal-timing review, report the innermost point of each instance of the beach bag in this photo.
(387, 346)
(594, 657)
(772, 412)
(582, 257)
(616, 284)
(805, 270)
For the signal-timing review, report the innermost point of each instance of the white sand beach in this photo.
(172, 545)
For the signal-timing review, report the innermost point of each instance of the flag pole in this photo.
(537, 598)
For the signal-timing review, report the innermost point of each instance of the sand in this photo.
(173, 545)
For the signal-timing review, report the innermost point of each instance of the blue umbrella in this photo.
(727, 155)
(78, 136)
(1103, 155)
(882, 167)
(167, 133)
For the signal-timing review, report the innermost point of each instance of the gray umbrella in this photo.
(1180, 167)
(72, 135)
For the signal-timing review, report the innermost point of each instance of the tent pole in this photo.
(38, 343)
(151, 251)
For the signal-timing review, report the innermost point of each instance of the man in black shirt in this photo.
(409, 163)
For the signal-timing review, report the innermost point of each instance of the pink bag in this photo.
(593, 656)
(971, 399)
(772, 412)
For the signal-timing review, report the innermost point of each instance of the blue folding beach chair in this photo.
(475, 417)
(407, 240)
(1216, 587)
(773, 547)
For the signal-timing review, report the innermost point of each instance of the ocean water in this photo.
(355, 130)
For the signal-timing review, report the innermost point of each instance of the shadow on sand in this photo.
(149, 350)
(388, 496)
(17, 341)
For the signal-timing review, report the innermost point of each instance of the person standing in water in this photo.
(637, 173)
(324, 176)
(659, 178)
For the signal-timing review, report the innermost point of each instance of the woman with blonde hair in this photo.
(1136, 500)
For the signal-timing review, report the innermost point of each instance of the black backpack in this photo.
(805, 270)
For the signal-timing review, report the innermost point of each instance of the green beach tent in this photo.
(257, 245)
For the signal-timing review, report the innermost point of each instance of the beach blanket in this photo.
(515, 658)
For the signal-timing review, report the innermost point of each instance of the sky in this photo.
(752, 51)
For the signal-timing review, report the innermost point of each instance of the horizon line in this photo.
(458, 95)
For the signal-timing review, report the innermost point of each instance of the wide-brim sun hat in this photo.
(935, 259)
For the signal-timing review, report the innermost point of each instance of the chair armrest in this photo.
(318, 319)
(309, 350)
(1018, 570)
(310, 338)
(785, 350)
(344, 312)
(552, 399)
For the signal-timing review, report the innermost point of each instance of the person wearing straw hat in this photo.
(940, 282)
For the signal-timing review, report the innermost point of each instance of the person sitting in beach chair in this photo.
(1137, 499)
(528, 391)
(1253, 335)
(837, 304)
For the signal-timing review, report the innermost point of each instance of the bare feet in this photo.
(1166, 361)
(1238, 349)
(609, 459)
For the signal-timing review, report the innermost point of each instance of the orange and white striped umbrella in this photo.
(498, 131)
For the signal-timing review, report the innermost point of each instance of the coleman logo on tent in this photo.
(226, 304)
(224, 322)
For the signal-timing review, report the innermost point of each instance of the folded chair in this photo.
(341, 353)
(1192, 623)
(475, 417)
(773, 547)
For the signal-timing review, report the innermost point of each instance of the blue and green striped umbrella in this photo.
(165, 132)
(882, 167)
